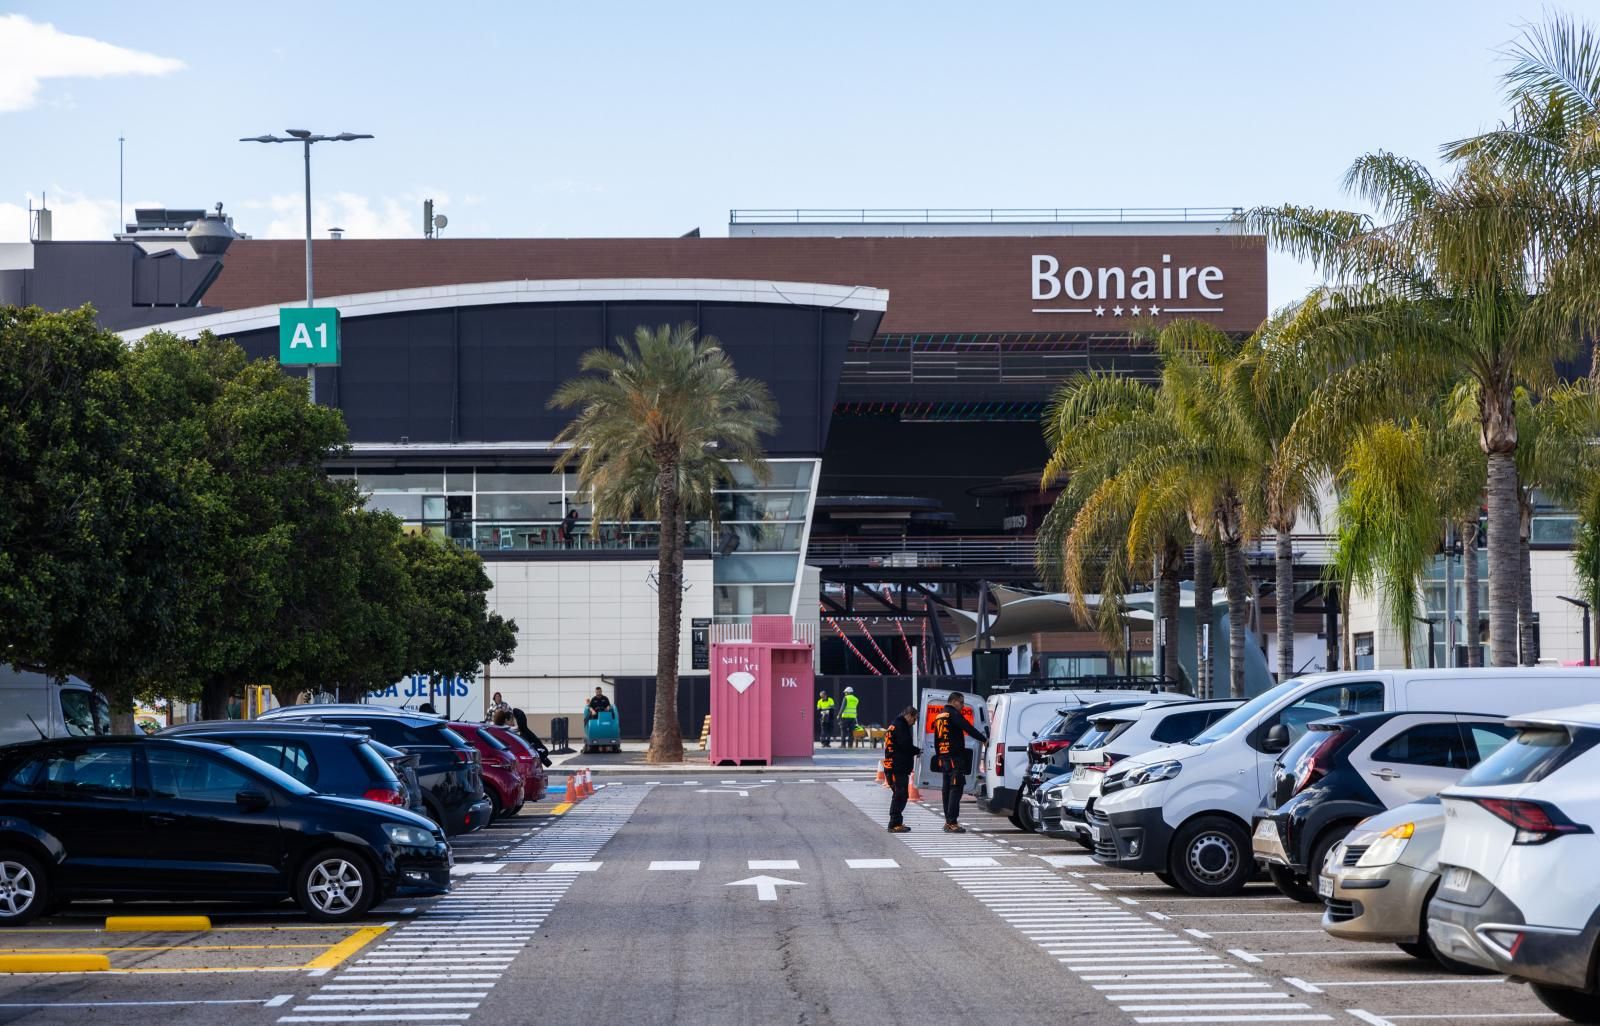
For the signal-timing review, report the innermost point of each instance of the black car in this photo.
(1346, 768)
(450, 768)
(166, 818)
(324, 757)
(1047, 752)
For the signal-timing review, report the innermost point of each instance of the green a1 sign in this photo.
(308, 336)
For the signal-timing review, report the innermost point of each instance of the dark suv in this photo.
(1347, 768)
(1047, 752)
(165, 818)
(450, 770)
(324, 757)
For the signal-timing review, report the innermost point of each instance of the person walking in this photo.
(847, 719)
(825, 719)
(899, 762)
(524, 732)
(952, 758)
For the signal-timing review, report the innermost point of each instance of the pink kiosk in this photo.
(762, 693)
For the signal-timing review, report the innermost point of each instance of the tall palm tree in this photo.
(1445, 282)
(657, 417)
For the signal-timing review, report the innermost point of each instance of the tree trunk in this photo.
(214, 699)
(1283, 602)
(1169, 595)
(1527, 632)
(1346, 635)
(1204, 645)
(1503, 553)
(666, 737)
(1238, 612)
(1469, 584)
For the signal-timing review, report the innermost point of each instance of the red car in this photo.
(535, 781)
(502, 774)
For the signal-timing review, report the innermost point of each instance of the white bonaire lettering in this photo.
(1044, 276)
(1106, 274)
(1144, 283)
(1072, 283)
(1207, 276)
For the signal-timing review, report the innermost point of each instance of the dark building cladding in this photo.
(483, 374)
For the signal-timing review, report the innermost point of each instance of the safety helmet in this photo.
(849, 691)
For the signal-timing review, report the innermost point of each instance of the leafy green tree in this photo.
(656, 419)
(452, 631)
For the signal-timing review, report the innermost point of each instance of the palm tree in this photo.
(657, 419)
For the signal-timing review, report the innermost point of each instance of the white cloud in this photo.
(72, 215)
(361, 217)
(35, 51)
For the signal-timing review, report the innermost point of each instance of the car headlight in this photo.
(1153, 773)
(1385, 851)
(400, 833)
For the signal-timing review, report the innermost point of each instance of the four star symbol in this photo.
(1116, 311)
(1136, 311)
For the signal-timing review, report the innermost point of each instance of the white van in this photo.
(33, 706)
(1183, 812)
(1017, 717)
(930, 705)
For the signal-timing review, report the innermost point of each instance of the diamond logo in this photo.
(741, 680)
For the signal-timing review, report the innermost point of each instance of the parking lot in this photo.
(1278, 940)
(160, 963)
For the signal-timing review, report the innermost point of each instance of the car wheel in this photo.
(1169, 880)
(1292, 884)
(24, 889)
(1417, 949)
(1211, 857)
(1083, 843)
(496, 810)
(335, 885)
(1574, 1005)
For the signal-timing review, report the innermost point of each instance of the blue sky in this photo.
(651, 119)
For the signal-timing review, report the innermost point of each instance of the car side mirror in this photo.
(1276, 739)
(251, 800)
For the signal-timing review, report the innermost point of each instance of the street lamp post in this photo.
(1430, 622)
(1581, 604)
(306, 137)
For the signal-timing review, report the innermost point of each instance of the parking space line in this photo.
(347, 947)
(1401, 983)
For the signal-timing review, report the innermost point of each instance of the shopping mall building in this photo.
(911, 355)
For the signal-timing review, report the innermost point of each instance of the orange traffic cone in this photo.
(573, 794)
(911, 791)
(588, 784)
(881, 778)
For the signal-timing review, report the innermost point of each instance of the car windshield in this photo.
(453, 739)
(1245, 713)
(85, 713)
(1535, 753)
(492, 741)
(1101, 732)
(1308, 741)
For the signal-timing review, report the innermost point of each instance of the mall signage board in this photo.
(308, 336)
(1156, 287)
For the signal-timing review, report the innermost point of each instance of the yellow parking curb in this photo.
(156, 924)
(560, 809)
(54, 963)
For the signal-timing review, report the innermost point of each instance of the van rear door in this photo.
(932, 705)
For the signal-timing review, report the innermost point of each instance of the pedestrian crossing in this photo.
(585, 828)
(440, 966)
(1147, 971)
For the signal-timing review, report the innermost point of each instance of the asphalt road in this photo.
(721, 902)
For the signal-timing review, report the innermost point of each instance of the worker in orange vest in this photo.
(899, 760)
(952, 758)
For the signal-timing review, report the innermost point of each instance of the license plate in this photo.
(1456, 878)
(1094, 834)
(1324, 887)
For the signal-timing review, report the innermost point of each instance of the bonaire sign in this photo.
(1149, 289)
(308, 336)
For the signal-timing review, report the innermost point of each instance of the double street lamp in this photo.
(306, 138)
(1581, 604)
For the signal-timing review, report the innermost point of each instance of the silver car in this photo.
(1378, 881)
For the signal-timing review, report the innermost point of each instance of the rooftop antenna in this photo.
(121, 212)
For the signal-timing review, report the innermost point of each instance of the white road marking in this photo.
(773, 864)
(959, 862)
(872, 863)
(1399, 983)
(1368, 1017)
(573, 867)
(1298, 983)
(686, 866)
(1198, 933)
(766, 886)
(476, 868)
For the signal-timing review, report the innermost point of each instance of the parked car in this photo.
(1380, 878)
(1186, 810)
(1018, 719)
(1346, 769)
(328, 759)
(535, 781)
(405, 766)
(34, 706)
(1517, 893)
(177, 819)
(450, 768)
(502, 774)
(1063, 805)
(1047, 753)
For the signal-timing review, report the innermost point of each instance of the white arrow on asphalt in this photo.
(741, 792)
(766, 886)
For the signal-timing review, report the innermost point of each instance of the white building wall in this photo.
(1560, 624)
(580, 620)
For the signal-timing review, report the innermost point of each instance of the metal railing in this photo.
(550, 537)
(978, 215)
(907, 553)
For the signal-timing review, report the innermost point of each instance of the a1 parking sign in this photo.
(308, 336)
